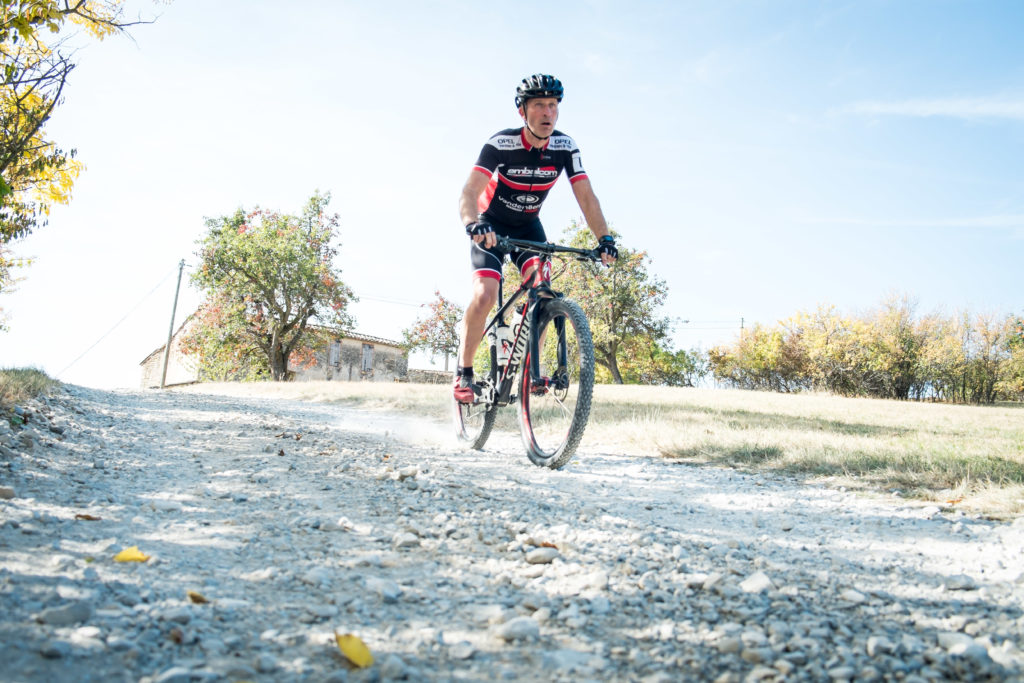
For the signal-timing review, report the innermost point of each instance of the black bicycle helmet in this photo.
(538, 85)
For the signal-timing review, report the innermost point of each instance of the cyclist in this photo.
(515, 171)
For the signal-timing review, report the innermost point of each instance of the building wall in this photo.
(355, 360)
(181, 369)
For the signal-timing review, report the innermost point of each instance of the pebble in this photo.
(757, 582)
(440, 560)
(542, 555)
(519, 628)
(65, 615)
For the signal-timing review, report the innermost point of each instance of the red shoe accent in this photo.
(464, 392)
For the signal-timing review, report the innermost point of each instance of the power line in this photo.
(123, 318)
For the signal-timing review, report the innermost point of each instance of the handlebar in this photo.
(506, 243)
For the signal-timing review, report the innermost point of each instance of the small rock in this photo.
(520, 628)
(543, 555)
(960, 582)
(323, 611)
(393, 668)
(404, 539)
(711, 580)
(266, 663)
(761, 673)
(851, 595)
(179, 615)
(729, 645)
(317, 576)
(950, 640)
(461, 650)
(880, 645)
(6, 493)
(758, 582)
(388, 590)
(67, 614)
(177, 674)
(842, 673)
(55, 649)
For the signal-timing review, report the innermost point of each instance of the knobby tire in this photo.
(552, 422)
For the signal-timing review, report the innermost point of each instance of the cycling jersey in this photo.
(522, 175)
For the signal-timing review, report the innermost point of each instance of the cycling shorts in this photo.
(488, 262)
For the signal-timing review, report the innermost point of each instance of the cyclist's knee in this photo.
(485, 292)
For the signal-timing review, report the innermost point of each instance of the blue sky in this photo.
(770, 156)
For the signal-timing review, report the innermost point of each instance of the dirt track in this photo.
(298, 520)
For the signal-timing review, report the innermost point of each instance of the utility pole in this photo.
(170, 332)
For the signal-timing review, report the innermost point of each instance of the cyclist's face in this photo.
(541, 114)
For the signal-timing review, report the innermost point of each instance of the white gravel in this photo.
(298, 520)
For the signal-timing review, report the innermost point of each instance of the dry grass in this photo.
(21, 384)
(968, 456)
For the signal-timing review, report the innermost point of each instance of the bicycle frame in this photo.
(524, 338)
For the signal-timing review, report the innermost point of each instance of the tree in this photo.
(621, 302)
(652, 361)
(266, 276)
(217, 336)
(439, 331)
(35, 173)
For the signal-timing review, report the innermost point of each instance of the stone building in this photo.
(352, 357)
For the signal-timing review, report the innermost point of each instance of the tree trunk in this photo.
(279, 364)
(613, 367)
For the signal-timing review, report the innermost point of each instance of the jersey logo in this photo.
(562, 142)
(506, 142)
(527, 198)
(577, 165)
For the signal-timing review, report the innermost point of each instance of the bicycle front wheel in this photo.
(553, 412)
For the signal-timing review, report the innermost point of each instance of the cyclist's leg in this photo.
(526, 262)
(485, 294)
(486, 281)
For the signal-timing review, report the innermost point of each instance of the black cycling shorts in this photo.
(488, 262)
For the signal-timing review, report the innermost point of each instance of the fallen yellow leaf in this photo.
(197, 598)
(132, 554)
(354, 649)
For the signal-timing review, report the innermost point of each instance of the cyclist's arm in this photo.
(469, 210)
(475, 185)
(591, 208)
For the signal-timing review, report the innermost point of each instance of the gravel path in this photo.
(272, 525)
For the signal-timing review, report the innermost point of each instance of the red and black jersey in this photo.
(521, 175)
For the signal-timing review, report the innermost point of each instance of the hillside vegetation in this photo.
(971, 457)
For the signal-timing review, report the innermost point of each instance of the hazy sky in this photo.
(770, 156)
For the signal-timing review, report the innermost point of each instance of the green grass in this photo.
(969, 456)
(21, 384)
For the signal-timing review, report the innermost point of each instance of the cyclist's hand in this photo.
(482, 233)
(606, 250)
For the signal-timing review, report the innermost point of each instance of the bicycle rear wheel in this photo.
(554, 413)
(473, 421)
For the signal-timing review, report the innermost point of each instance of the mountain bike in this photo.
(543, 359)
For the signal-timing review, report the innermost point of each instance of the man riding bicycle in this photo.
(512, 176)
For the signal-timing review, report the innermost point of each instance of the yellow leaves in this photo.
(354, 649)
(55, 188)
(132, 554)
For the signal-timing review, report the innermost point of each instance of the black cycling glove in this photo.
(606, 245)
(478, 228)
